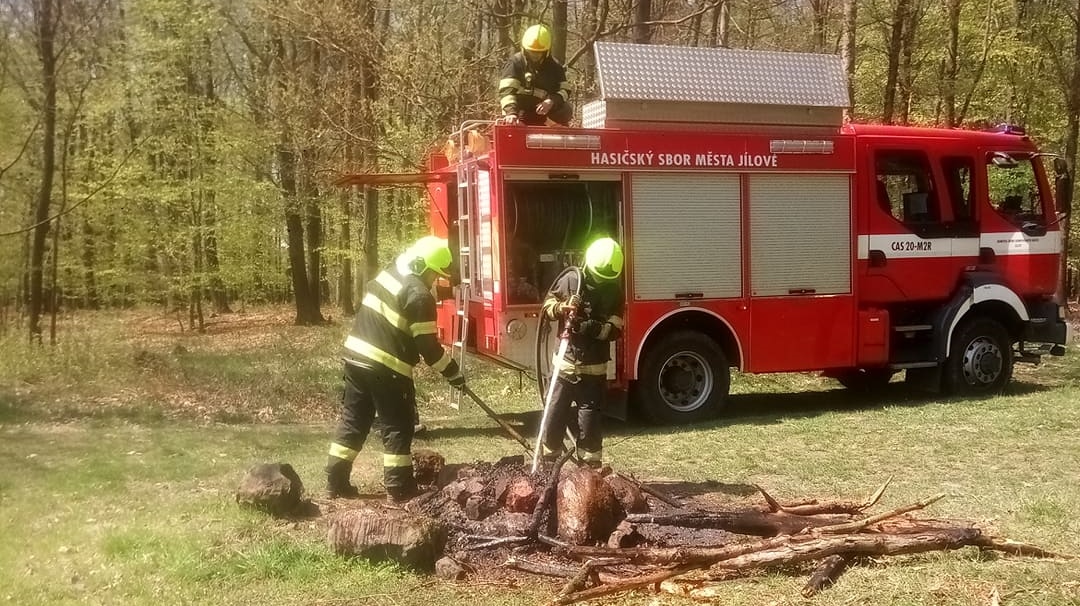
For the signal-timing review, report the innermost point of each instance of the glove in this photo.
(457, 381)
(571, 304)
(588, 328)
(511, 119)
(544, 107)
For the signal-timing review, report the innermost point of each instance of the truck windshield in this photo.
(1013, 188)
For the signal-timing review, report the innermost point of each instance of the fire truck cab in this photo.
(762, 232)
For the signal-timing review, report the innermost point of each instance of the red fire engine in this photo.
(762, 232)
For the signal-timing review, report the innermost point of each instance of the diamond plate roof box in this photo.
(643, 83)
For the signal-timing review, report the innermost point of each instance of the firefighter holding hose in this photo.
(590, 304)
(393, 330)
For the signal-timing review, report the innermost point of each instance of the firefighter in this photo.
(533, 87)
(594, 312)
(394, 328)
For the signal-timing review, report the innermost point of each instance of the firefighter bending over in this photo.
(596, 321)
(533, 86)
(394, 328)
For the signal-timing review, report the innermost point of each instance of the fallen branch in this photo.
(828, 507)
(748, 521)
(1019, 549)
(852, 545)
(622, 585)
(825, 574)
(548, 497)
(861, 524)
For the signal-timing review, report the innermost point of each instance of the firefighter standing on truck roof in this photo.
(533, 86)
(597, 320)
(394, 328)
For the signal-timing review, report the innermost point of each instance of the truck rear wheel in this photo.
(981, 359)
(683, 378)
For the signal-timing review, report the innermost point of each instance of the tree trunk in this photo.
(45, 20)
(345, 280)
(371, 233)
(952, 62)
(847, 49)
(907, 70)
(820, 10)
(558, 30)
(1072, 135)
(642, 15)
(895, 44)
(721, 19)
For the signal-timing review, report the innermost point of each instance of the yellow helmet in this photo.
(537, 38)
(431, 252)
(604, 259)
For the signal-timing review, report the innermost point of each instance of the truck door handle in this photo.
(801, 291)
(689, 295)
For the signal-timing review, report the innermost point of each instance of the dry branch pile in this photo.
(604, 532)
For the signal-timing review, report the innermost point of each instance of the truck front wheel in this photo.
(981, 359)
(683, 378)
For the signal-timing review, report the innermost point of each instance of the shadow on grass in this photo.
(753, 408)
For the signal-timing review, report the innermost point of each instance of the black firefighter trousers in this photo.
(392, 397)
(588, 392)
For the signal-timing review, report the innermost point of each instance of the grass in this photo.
(121, 448)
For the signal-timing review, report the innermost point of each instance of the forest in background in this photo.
(182, 153)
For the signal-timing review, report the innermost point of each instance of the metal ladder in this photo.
(466, 198)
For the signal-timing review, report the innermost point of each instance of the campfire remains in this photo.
(604, 532)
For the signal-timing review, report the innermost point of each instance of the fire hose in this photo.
(560, 355)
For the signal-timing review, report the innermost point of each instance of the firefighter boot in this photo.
(337, 479)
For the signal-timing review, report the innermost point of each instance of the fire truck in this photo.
(762, 232)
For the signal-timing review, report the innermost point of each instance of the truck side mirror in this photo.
(1063, 182)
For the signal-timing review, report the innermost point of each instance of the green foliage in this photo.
(176, 119)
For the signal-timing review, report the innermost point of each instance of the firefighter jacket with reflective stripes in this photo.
(395, 326)
(598, 321)
(541, 81)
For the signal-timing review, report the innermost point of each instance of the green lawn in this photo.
(121, 448)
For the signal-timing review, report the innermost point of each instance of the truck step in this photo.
(906, 365)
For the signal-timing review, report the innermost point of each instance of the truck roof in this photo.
(956, 134)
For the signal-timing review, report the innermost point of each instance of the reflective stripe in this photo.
(591, 457)
(371, 352)
(615, 321)
(540, 93)
(423, 328)
(547, 450)
(441, 364)
(581, 369)
(564, 90)
(605, 330)
(509, 83)
(389, 282)
(373, 302)
(396, 460)
(508, 100)
(591, 369)
(342, 452)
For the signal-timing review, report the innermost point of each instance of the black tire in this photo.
(684, 378)
(865, 380)
(980, 359)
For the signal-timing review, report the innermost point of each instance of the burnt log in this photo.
(586, 508)
(628, 492)
(413, 540)
(427, 466)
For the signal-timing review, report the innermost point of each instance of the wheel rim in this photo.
(685, 382)
(982, 362)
